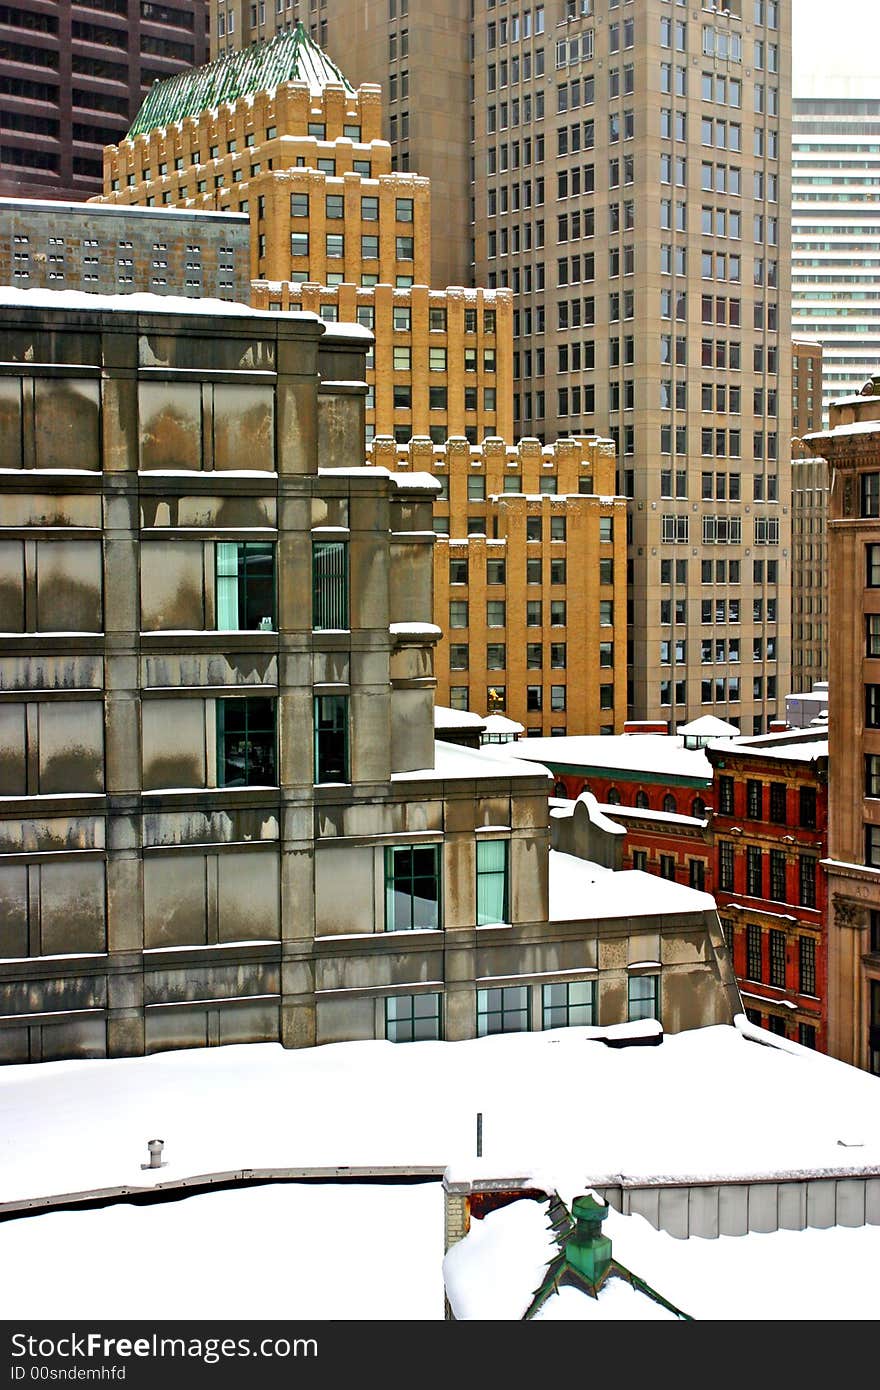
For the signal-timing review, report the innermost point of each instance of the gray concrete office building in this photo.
(222, 814)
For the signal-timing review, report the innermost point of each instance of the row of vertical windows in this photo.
(247, 740)
(776, 959)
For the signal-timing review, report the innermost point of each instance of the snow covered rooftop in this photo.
(657, 754)
(802, 745)
(445, 718)
(582, 889)
(708, 726)
(453, 760)
(500, 724)
(142, 304)
(705, 1104)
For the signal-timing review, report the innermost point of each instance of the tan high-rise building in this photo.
(629, 171)
(441, 364)
(529, 579)
(809, 515)
(851, 446)
(425, 72)
(298, 149)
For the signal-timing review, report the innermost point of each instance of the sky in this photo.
(841, 40)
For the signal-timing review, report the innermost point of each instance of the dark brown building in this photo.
(72, 78)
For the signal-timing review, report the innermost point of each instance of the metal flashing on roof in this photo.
(291, 56)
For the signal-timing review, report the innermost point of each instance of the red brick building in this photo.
(770, 831)
(672, 845)
(651, 784)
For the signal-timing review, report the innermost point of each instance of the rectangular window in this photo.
(725, 865)
(412, 888)
(502, 1010)
(806, 965)
(643, 999)
(754, 871)
(870, 494)
(777, 875)
(245, 586)
(571, 1005)
(753, 952)
(754, 795)
(492, 881)
(777, 958)
(330, 586)
(246, 742)
(331, 738)
(807, 879)
(412, 1018)
(777, 803)
(697, 874)
(667, 866)
(725, 796)
(807, 807)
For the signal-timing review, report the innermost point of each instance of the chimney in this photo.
(587, 1250)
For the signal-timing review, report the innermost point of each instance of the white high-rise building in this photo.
(835, 291)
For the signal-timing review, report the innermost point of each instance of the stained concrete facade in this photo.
(201, 813)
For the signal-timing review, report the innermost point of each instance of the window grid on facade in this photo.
(504, 1010)
(413, 1018)
(569, 1005)
(330, 586)
(777, 958)
(753, 952)
(412, 888)
(807, 965)
(331, 738)
(492, 881)
(246, 754)
(643, 997)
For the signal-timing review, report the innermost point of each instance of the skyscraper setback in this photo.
(629, 180)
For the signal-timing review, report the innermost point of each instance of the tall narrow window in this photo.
(806, 965)
(643, 997)
(777, 958)
(807, 877)
(246, 742)
(492, 885)
(245, 586)
(777, 875)
(753, 952)
(331, 738)
(330, 586)
(412, 888)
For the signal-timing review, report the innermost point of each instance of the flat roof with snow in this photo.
(650, 756)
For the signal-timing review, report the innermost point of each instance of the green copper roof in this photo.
(291, 56)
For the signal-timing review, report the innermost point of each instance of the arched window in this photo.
(642, 800)
(613, 796)
(698, 808)
(560, 790)
(669, 804)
